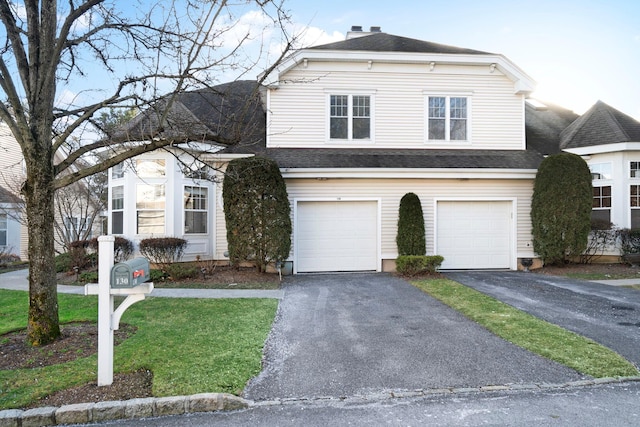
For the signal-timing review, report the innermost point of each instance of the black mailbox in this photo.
(130, 273)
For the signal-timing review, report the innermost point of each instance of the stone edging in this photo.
(83, 413)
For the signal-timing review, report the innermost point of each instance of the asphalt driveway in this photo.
(359, 334)
(608, 315)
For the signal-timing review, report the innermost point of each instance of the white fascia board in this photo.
(404, 173)
(223, 157)
(605, 148)
(522, 82)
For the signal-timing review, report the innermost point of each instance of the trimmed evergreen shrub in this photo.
(163, 250)
(256, 211)
(561, 208)
(410, 265)
(410, 238)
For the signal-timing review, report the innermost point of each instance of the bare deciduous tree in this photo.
(128, 55)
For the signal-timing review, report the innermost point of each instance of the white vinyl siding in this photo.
(298, 111)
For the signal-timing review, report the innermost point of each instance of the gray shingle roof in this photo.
(7, 196)
(383, 42)
(227, 113)
(600, 125)
(544, 125)
(416, 159)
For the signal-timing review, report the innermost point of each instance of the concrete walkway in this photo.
(17, 281)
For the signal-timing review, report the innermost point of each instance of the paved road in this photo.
(607, 405)
(607, 314)
(354, 334)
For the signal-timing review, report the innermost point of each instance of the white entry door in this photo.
(336, 236)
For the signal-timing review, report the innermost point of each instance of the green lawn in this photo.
(529, 332)
(190, 345)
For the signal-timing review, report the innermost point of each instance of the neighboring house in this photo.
(9, 223)
(72, 212)
(609, 140)
(354, 126)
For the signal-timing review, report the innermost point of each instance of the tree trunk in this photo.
(43, 326)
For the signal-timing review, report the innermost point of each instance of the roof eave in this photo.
(604, 148)
(408, 173)
(523, 84)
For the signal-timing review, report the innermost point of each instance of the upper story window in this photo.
(634, 170)
(150, 168)
(350, 117)
(117, 171)
(600, 171)
(447, 118)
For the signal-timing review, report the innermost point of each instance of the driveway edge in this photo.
(84, 413)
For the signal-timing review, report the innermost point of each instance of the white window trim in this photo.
(350, 93)
(629, 169)
(447, 142)
(206, 210)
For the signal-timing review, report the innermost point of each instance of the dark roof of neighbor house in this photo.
(395, 158)
(383, 42)
(543, 125)
(230, 113)
(7, 196)
(600, 125)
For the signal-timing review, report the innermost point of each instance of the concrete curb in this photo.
(84, 413)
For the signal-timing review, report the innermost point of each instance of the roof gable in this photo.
(543, 126)
(600, 125)
(383, 42)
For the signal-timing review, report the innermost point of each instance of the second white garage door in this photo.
(336, 236)
(474, 234)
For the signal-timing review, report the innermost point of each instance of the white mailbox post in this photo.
(108, 319)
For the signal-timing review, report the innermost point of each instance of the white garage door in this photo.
(336, 236)
(473, 235)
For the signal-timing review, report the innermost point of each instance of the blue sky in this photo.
(577, 51)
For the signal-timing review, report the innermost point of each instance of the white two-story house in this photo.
(355, 125)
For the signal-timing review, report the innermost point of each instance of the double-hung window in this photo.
(447, 118)
(601, 181)
(117, 209)
(117, 171)
(150, 207)
(195, 209)
(350, 117)
(634, 193)
(3, 229)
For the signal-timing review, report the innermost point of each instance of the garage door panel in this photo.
(475, 234)
(336, 236)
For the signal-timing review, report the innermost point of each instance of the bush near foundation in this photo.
(163, 250)
(411, 265)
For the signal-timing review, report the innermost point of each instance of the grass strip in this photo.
(529, 332)
(190, 345)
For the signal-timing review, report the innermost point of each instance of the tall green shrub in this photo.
(411, 236)
(256, 211)
(561, 208)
